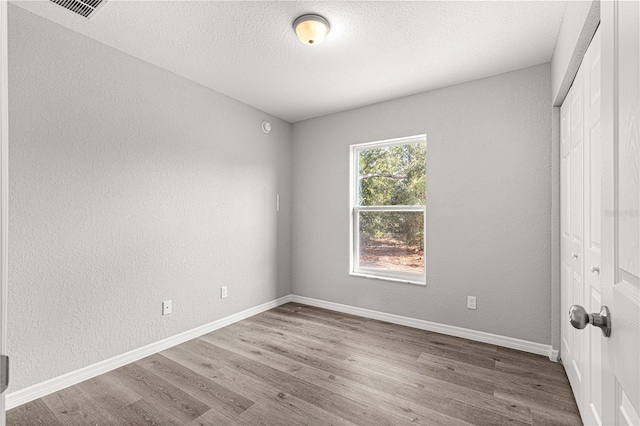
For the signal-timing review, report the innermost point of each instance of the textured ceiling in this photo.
(375, 51)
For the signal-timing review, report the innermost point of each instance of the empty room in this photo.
(319, 213)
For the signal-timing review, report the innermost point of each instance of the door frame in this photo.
(4, 187)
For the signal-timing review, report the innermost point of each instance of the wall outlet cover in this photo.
(471, 302)
(166, 307)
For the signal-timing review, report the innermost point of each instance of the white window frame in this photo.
(354, 209)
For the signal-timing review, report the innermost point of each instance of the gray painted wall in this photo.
(130, 186)
(488, 204)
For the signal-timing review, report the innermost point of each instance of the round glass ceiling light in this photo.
(311, 29)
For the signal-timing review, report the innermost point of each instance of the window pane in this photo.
(392, 175)
(392, 241)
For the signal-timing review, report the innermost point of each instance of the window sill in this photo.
(383, 278)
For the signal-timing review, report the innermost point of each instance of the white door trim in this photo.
(4, 187)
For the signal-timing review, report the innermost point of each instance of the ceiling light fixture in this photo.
(311, 29)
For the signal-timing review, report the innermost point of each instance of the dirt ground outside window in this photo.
(388, 253)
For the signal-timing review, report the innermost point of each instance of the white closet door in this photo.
(621, 204)
(581, 217)
(577, 368)
(592, 403)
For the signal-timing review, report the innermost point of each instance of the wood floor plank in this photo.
(265, 394)
(332, 325)
(329, 316)
(509, 375)
(404, 410)
(106, 388)
(284, 345)
(213, 418)
(217, 397)
(455, 408)
(31, 414)
(551, 417)
(300, 327)
(342, 406)
(200, 364)
(511, 356)
(321, 347)
(262, 415)
(289, 405)
(534, 400)
(244, 346)
(411, 383)
(120, 401)
(168, 399)
(529, 372)
(73, 407)
(145, 412)
(445, 375)
(302, 365)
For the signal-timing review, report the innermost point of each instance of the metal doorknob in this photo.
(595, 269)
(579, 319)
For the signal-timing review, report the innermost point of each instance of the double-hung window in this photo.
(388, 198)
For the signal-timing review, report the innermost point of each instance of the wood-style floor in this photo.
(300, 365)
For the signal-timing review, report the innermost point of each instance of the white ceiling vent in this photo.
(86, 8)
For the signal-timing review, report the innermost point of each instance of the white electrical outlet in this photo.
(471, 302)
(166, 307)
(223, 292)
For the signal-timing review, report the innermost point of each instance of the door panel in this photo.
(626, 412)
(577, 132)
(621, 206)
(626, 288)
(628, 148)
(566, 326)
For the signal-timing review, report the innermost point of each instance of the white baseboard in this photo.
(451, 330)
(55, 384)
